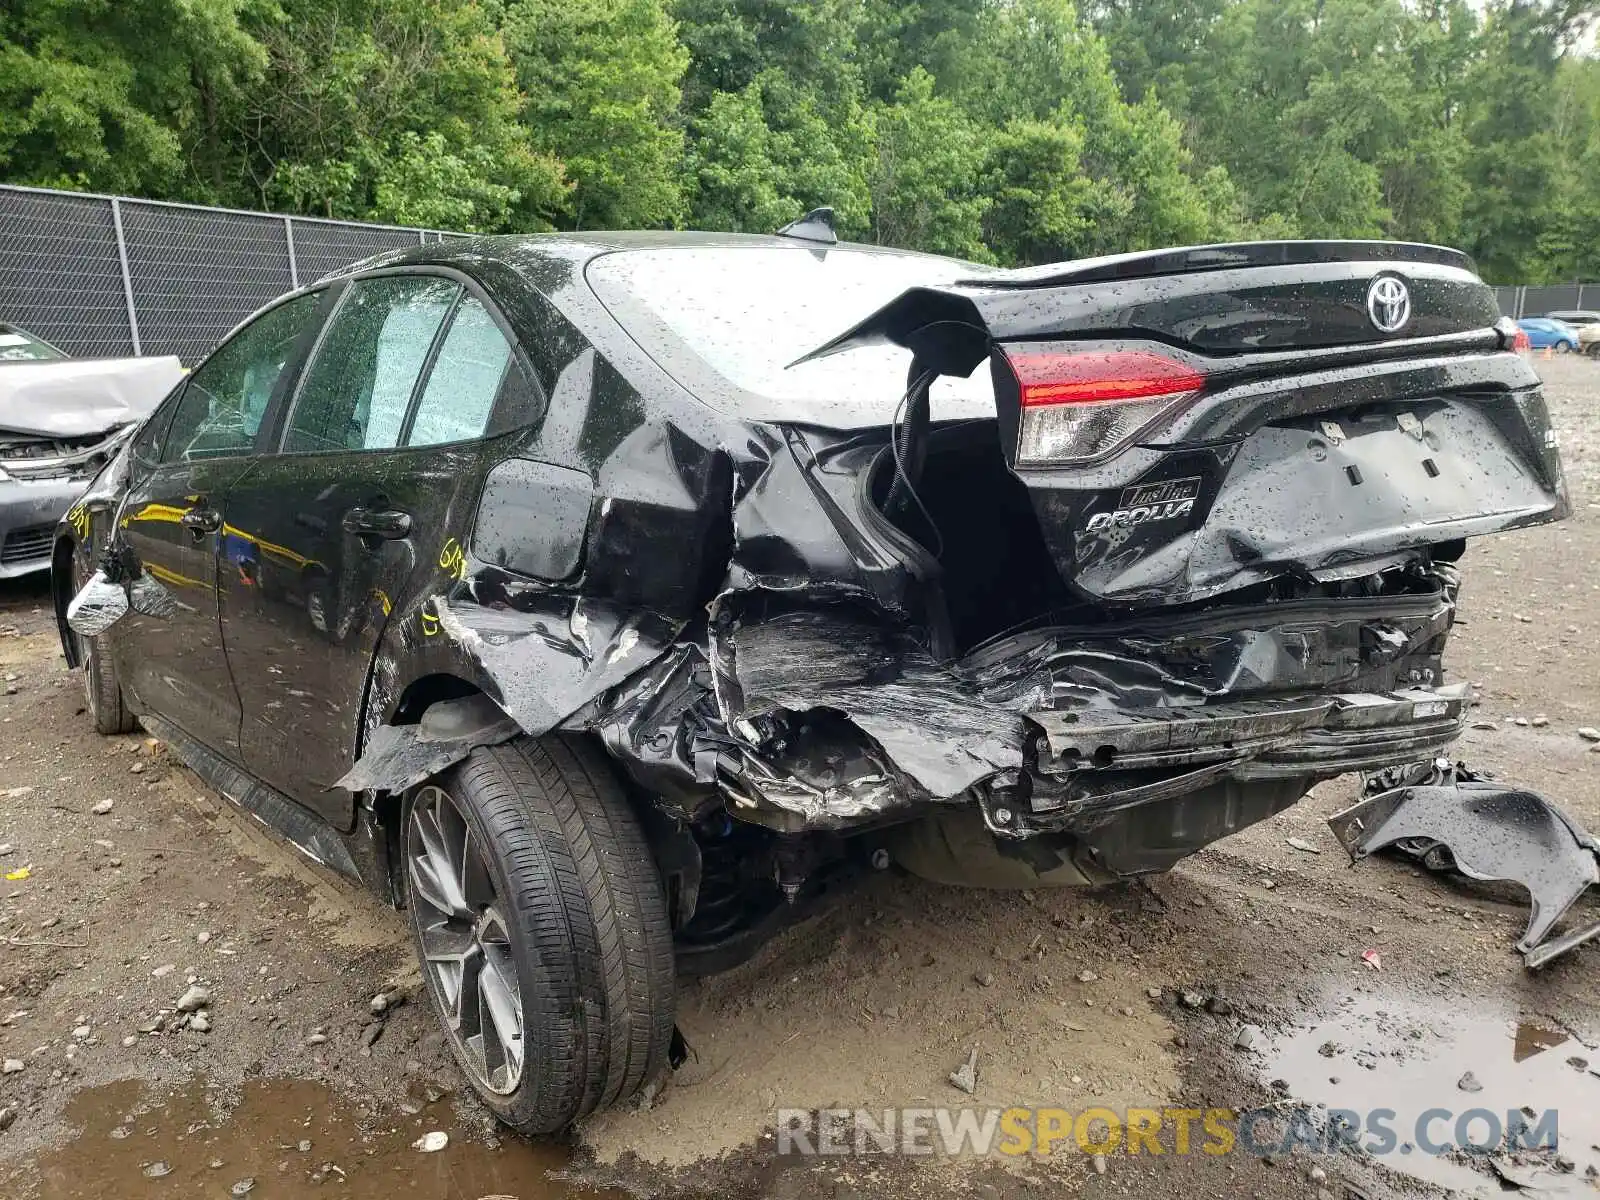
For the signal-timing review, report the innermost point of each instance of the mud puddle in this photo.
(1434, 1091)
(281, 1139)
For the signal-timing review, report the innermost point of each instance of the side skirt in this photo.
(306, 831)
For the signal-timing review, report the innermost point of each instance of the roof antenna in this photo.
(815, 226)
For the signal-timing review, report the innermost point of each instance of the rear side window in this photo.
(465, 379)
(357, 388)
(223, 402)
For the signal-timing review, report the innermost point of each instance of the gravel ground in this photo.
(1239, 979)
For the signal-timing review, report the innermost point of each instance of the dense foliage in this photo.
(1014, 131)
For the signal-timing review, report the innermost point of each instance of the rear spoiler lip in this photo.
(1143, 264)
(956, 308)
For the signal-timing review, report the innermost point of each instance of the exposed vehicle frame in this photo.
(679, 651)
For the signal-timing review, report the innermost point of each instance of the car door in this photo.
(174, 664)
(379, 454)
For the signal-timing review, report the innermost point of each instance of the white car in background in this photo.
(61, 419)
(1587, 322)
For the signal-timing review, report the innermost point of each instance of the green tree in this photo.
(896, 36)
(776, 112)
(760, 157)
(925, 181)
(1522, 187)
(1152, 43)
(1075, 169)
(811, 43)
(601, 86)
(359, 93)
(101, 94)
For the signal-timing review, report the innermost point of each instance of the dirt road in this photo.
(1243, 978)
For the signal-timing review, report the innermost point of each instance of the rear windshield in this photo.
(726, 321)
(17, 346)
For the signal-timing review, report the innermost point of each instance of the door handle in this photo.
(200, 521)
(388, 523)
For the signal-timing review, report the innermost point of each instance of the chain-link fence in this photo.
(105, 275)
(1536, 299)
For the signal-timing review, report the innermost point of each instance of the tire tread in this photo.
(588, 905)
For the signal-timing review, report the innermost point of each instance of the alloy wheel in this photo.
(465, 941)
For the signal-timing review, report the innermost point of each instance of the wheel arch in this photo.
(61, 556)
(486, 675)
(383, 805)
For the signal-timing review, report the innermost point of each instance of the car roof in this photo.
(556, 267)
(524, 252)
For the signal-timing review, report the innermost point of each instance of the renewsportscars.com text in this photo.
(1013, 1132)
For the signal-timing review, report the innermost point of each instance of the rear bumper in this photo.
(1338, 732)
(1091, 765)
(29, 512)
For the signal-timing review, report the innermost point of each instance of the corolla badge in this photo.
(1389, 303)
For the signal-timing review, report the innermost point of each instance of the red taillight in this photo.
(1521, 341)
(1100, 376)
(1080, 405)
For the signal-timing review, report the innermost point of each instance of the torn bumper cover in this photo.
(1452, 819)
(825, 720)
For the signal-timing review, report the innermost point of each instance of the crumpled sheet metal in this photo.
(815, 711)
(815, 766)
(1492, 832)
(928, 722)
(81, 397)
(152, 598)
(551, 662)
(398, 757)
(549, 658)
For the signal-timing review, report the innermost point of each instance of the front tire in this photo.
(1563, 347)
(102, 690)
(541, 925)
(104, 693)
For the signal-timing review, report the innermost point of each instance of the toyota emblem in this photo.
(1389, 303)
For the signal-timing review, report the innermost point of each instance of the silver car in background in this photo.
(61, 419)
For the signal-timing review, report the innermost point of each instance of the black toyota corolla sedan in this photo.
(602, 599)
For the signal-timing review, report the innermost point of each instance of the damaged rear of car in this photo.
(755, 559)
(1192, 553)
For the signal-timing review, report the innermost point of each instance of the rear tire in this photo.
(532, 892)
(1563, 347)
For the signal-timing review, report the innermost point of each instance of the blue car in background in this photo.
(1543, 332)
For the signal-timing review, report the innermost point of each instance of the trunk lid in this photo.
(1245, 298)
(1190, 422)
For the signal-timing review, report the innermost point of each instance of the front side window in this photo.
(224, 400)
(464, 381)
(358, 384)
